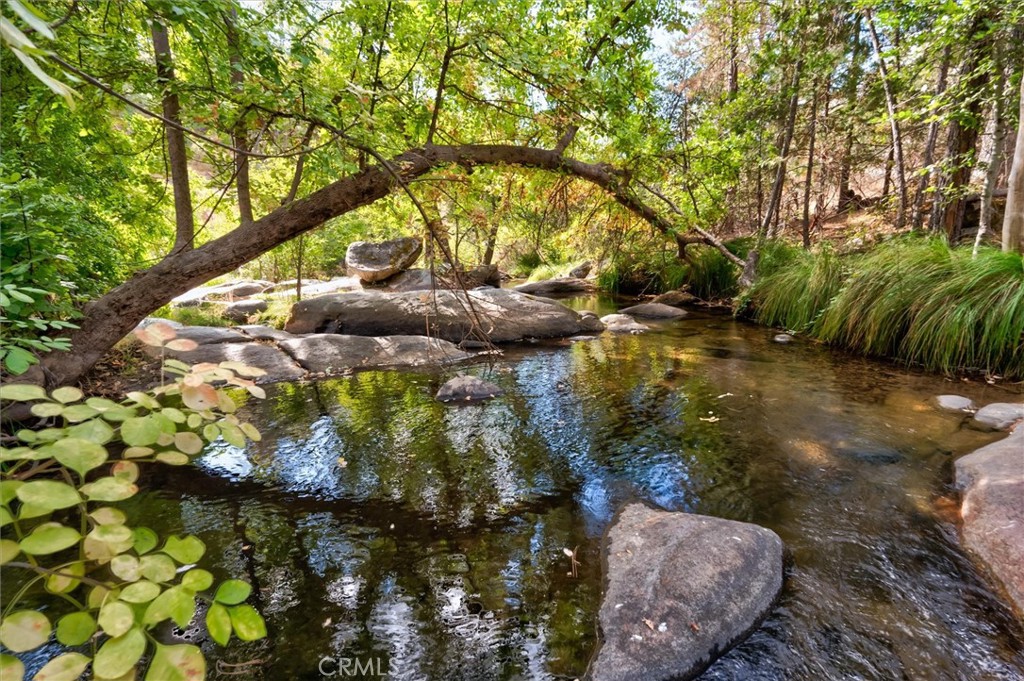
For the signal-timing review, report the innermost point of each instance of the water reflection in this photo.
(377, 522)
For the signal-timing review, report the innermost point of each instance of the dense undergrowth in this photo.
(914, 299)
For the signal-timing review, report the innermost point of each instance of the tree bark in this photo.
(845, 198)
(239, 138)
(184, 223)
(998, 140)
(113, 316)
(930, 174)
(1013, 220)
(787, 139)
(805, 230)
(890, 105)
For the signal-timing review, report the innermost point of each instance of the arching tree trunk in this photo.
(113, 316)
(890, 105)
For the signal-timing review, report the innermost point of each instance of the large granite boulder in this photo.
(411, 280)
(582, 270)
(216, 345)
(565, 286)
(654, 311)
(467, 389)
(318, 289)
(992, 484)
(376, 261)
(682, 589)
(330, 353)
(998, 416)
(504, 315)
(230, 291)
(955, 403)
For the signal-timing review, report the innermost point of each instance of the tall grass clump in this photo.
(914, 299)
(795, 286)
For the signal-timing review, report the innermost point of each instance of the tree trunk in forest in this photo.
(890, 105)
(963, 133)
(767, 227)
(110, 318)
(846, 196)
(930, 174)
(238, 137)
(805, 231)
(177, 156)
(1013, 220)
(998, 140)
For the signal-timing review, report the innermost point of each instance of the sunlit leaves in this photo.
(140, 592)
(177, 663)
(176, 603)
(64, 667)
(232, 592)
(186, 550)
(116, 618)
(119, 655)
(247, 623)
(79, 455)
(11, 668)
(218, 623)
(49, 538)
(76, 628)
(48, 494)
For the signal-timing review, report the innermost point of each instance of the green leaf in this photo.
(17, 360)
(47, 409)
(109, 489)
(9, 550)
(177, 603)
(28, 511)
(116, 618)
(24, 630)
(140, 431)
(93, 430)
(232, 592)
(68, 580)
(49, 538)
(48, 494)
(247, 623)
(172, 458)
(157, 567)
(5, 516)
(79, 412)
(140, 592)
(21, 392)
(186, 550)
(64, 667)
(144, 540)
(189, 443)
(197, 580)
(8, 490)
(108, 516)
(33, 19)
(80, 456)
(218, 623)
(67, 395)
(119, 655)
(177, 663)
(126, 567)
(76, 628)
(11, 668)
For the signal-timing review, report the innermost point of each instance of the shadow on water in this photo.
(380, 524)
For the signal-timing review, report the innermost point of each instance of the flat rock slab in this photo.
(654, 311)
(228, 291)
(992, 484)
(328, 353)
(468, 389)
(621, 323)
(206, 335)
(504, 315)
(243, 309)
(955, 403)
(376, 261)
(682, 590)
(318, 289)
(998, 416)
(262, 332)
(556, 287)
(278, 365)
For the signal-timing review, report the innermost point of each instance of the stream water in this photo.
(384, 527)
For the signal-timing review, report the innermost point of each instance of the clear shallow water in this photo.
(437, 546)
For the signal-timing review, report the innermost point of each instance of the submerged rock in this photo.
(376, 261)
(620, 323)
(998, 416)
(467, 389)
(556, 287)
(992, 484)
(955, 403)
(783, 338)
(682, 590)
(654, 311)
(504, 315)
(278, 365)
(330, 353)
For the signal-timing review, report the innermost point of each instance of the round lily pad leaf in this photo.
(247, 623)
(24, 630)
(76, 628)
(49, 538)
(232, 592)
(177, 663)
(65, 667)
(119, 655)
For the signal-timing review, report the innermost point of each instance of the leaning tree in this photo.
(292, 114)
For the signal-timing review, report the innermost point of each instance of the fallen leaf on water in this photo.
(342, 462)
(711, 419)
(695, 626)
(568, 552)
(649, 623)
